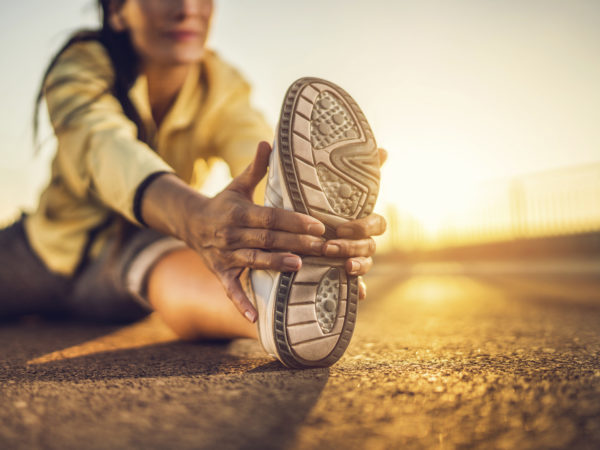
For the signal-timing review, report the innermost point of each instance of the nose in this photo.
(186, 8)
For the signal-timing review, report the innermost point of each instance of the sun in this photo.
(434, 191)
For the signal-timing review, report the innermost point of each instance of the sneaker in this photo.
(325, 164)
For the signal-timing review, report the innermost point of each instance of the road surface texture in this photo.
(442, 357)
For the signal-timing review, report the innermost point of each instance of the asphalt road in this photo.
(441, 358)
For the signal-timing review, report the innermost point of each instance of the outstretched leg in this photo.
(191, 300)
(26, 285)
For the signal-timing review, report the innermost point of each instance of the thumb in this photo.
(383, 155)
(246, 181)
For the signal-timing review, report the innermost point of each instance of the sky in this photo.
(458, 92)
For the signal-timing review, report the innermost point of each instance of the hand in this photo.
(232, 233)
(355, 242)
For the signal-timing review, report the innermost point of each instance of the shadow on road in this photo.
(161, 360)
(223, 394)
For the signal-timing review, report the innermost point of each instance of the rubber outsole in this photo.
(330, 166)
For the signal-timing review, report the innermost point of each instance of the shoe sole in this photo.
(330, 165)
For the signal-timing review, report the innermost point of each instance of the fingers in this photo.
(362, 289)
(271, 240)
(280, 219)
(344, 248)
(359, 265)
(383, 155)
(258, 259)
(255, 259)
(249, 178)
(234, 290)
(372, 225)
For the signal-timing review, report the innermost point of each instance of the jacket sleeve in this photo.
(240, 128)
(98, 154)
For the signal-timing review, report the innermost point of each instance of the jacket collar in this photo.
(183, 110)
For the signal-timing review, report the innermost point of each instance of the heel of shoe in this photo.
(315, 313)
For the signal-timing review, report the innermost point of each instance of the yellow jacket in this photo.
(100, 163)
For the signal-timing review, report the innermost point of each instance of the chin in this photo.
(185, 59)
(186, 55)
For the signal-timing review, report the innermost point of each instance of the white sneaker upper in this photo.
(275, 193)
(262, 296)
(262, 282)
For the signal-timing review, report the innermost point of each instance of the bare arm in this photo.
(229, 230)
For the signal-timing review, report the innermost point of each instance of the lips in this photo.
(183, 35)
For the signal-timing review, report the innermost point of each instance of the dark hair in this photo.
(124, 60)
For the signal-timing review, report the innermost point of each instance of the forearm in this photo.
(166, 203)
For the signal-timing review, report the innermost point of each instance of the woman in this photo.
(139, 108)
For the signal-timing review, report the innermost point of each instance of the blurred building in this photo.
(559, 202)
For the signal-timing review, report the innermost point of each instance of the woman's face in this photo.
(165, 32)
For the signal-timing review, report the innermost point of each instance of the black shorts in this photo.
(110, 288)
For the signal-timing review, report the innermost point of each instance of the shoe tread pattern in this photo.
(349, 179)
(285, 349)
